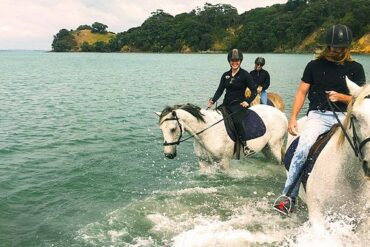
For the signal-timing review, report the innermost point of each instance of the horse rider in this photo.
(323, 79)
(261, 77)
(235, 81)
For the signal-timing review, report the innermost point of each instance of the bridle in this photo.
(356, 144)
(175, 118)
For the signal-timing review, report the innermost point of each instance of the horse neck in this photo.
(346, 159)
(193, 125)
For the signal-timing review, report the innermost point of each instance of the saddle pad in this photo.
(253, 125)
(313, 154)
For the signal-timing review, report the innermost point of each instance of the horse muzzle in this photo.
(170, 155)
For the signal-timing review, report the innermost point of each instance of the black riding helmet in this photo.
(259, 60)
(235, 54)
(339, 36)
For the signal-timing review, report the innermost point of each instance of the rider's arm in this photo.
(358, 76)
(252, 87)
(266, 82)
(335, 96)
(298, 102)
(220, 90)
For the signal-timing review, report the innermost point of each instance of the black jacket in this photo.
(261, 78)
(235, 87)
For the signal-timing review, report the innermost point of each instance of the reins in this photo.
(355, 143)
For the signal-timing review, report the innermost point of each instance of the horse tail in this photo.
(277, 100)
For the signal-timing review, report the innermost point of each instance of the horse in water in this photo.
(275, 99)
(339, 183)
(212, 144)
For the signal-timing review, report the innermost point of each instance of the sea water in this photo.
(82, 164)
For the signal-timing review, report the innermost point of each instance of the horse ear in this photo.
(354, 89)
(157, 113)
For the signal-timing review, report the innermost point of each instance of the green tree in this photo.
(84, 27)
(63, 41)
(98, 27)
(101, 46)
(86, 47)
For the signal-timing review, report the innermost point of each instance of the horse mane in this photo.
(190, 108)
(347, 121)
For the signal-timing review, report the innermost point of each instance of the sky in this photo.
(31, 24)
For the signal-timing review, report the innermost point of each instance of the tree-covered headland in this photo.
(297, 26)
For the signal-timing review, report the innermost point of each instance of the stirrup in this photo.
(284, 205)
(247, 151)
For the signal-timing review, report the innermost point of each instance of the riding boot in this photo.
(246, 150)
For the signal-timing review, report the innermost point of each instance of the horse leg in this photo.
(204, 166)
(274, 150)
(224, 163)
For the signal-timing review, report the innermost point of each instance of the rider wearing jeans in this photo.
(261, 77)
(323, 79)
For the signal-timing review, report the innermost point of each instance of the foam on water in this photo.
(171, 220)
(216, 216)
(339, 231)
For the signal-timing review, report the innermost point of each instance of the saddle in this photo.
(250, 126)
(313, 154)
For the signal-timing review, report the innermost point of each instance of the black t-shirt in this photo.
(235, 87)
(323, 75)
(261, 78)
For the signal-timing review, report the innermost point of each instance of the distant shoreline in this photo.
(142, 52)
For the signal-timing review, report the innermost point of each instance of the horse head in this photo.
(359, 118)
(172, 131)
(173, 126)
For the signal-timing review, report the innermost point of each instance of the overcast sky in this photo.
(31, 24)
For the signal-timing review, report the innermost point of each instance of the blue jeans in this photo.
(264, 97)
(317, 123)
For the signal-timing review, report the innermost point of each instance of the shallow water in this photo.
(81, 160)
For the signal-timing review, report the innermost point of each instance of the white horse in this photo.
(339, 183)
(213, 145)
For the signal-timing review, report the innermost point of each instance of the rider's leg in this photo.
(264, 97)
(317, 123)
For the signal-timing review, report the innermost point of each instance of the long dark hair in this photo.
(325, 54)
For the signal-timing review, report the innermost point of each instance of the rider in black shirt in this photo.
(235, 81)
(323, 79)
(323, 75)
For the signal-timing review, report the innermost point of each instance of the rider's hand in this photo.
(292, 127)
(333, 96)
(244, 104)
(210, 103)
